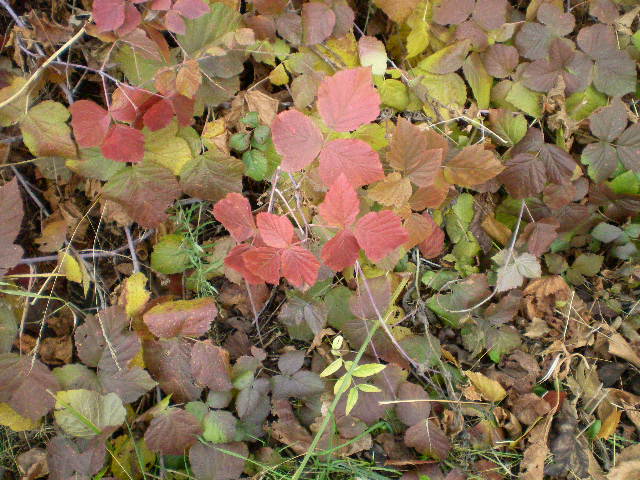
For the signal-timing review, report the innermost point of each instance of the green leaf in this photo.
(582, 104)
(368, 370)
(333, 367)
(394, 94)
(511, 126)
(170, 255)
(83, 413)
(256, 165)
(212, 176)
(341, 384)
(479, 80)
(605, 232)
(219, 426)
(352, 399)
(240, 142)
(365, 387)
(8, 326)
(94, 165)
(524, 99)
(45, 131)
(447, 59)
(588, 264)
(208, 29)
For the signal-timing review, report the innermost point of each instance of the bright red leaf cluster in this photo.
(346, 101)
(274, 252)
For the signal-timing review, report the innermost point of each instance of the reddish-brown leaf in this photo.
(210, 366)
(235, 261)
(297, 139)
(175, 23)
(123, 144)
(275, 230)
(25, 383)
(524, 176)
(270, 7)
(341, 251)
(234, 213)
(472, 166)
(127, 103)
(412, 154)
(348, 99)
(341, 205)
(169, 363)
(90, 123)
(108, 14)
(211, 462)
(433, 242)
(318, 21)
(299, 266)
(380, 233)
(541, 234)
(181, 317)
(453, 12)
(132, 18)
(172, 432)
(11, 214)
(352, 157)
(428, 439)
(410, 412)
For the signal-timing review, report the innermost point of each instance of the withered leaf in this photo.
(210, 366)
(169, 362)
(172, 432)
(428, 439)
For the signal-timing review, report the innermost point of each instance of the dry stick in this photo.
(89, 253)
(42, 67)
(132, 250)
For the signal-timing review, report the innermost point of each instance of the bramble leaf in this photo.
(352, 157)
(379, 233)
(341, 204)
(90, 123)
(11, 214)
(123, 144)
(318, 21)
(275, 230)
(472, 166)
(297, 139)
(348, 99)
(172, 432)
(234, 213)
(181, 317)
(45, 132)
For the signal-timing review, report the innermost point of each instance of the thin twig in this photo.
(132, 250)
(42, 67)
(89, 253)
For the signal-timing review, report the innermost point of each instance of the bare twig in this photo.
(42, 67)
(89, 253)
(132, 250)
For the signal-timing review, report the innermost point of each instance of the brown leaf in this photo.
(181, 317)
(619, 347)
(169, 362)
(265, 105)
(211, 462)
(287, 429)
(33, 464)
(416, 153)
(568, 448)
(496, 230)
(172, 432)
(397, 10)
(412, 412)
(393, 191)
(540, 235)
(472, 166)
(11, 213)
(56, 350)
(428, 439)
(627, 465)
(210, 366)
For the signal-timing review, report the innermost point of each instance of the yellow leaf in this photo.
(188, 79)
(488, 388)
(128, 457)
(496, 230)
(279, 76)
(134, 295)
(609, 423)
(16, 422)
(397, 10)
(165, 148)
(394, 190)
(69, 267)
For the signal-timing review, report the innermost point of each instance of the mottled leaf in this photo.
(181, 317)
(169, 362)
(210, 366)
(428, 439)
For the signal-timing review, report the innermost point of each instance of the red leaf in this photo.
(432, 245)
(348, 99)
(90, 123)
(341, 204)
(191, 8)
(124, 144)
(132, 19)
(175, 23)
(161, 5)
(380, 233)
(318, 21)
(264, 262)
(108, 14)
(183, 108)
(235, 261)
(352, 157)
(126, 102)
(341, 251)
(275, 230)
(299, 266)
(296, 138)
(159, 115)
(234, 213)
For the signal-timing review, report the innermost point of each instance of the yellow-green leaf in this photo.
(45, 131)
(134, 294)
(352, 399)
(16, 422)
(488, 388)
